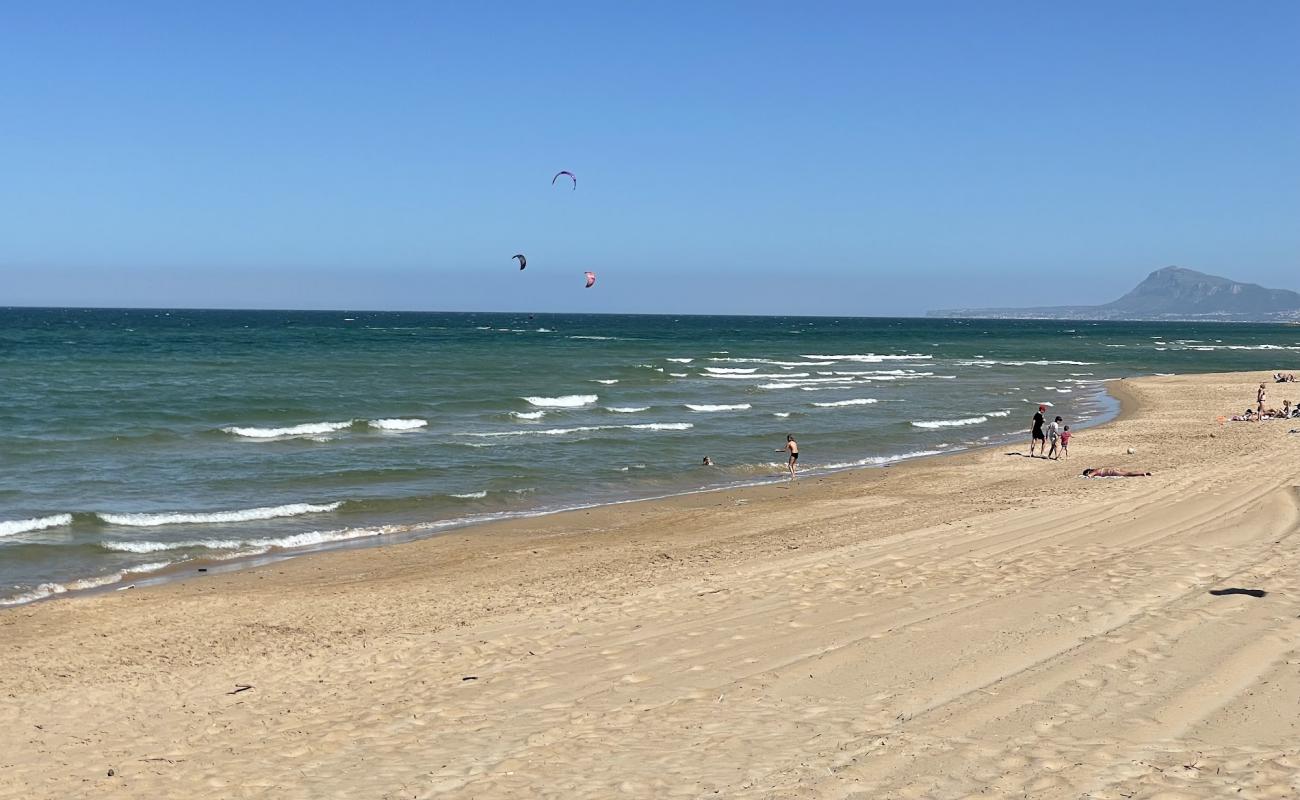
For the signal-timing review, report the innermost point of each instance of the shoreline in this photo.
(200, 568)
(980, 623)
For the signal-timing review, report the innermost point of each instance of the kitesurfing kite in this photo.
(523, 262)
(591, 279)
(572, 177)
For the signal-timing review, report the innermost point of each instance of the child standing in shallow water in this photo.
(1065, 442)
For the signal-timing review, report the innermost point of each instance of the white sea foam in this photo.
(879, 460)
(760, 376)
(627, 409)
(705, 407)
(398, 424)
(564, 401)
(242, 515)
(1003, 413)
(50, 589)
(984, 362)
(680, 360)
(870, 358)
(528, 414)
(781, 414)
(731, 370)
(951, 423)
(15, 526)
(645, 426)
(596, 338)
(606, 381)
(861, 401)
(772, 362)
(307, 429)
(261, 545)
(472, 495)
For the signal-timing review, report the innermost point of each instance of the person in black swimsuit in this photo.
(791, 447)
(1036, 436)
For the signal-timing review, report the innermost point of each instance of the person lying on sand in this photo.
(1112, 472)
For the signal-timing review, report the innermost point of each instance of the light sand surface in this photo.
(980, 625)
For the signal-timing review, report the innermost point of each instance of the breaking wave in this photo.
(16, 526)
(564, 401)
(243, 515)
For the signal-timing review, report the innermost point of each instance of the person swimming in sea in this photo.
(708, 462)
(791, 447)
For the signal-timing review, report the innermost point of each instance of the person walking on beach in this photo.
(1259, 401)
(1054, 435)
(1036, 435)
(1065, 442)
(791, 447)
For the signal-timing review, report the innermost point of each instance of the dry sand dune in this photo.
(976, 625)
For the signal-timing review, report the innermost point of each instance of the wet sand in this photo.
(976, 624)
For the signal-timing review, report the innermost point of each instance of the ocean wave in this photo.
(398, 424)
(679, 375)
(705, 407)
(16, 526)
(597, 338)
(527, 414)
(951, 423)
(731, 370)
(307, 429)
(260, 545)
(644, 426)
(781, 414)
(879, 460)
(988, 362)
(861, 401)
(759, 376)
(869, 358)
(50, 589)
(1003, 413)
(772, 362)
(479, 495)
(627, 409)
(680, 360)
(564, 401)
(243, 515)
(606, 381)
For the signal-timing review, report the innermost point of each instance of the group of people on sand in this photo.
(1057, 433)
(1259, 413)
(1280, 377)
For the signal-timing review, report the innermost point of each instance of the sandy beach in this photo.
(981, 624)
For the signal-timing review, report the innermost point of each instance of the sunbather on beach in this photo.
(1112, 472)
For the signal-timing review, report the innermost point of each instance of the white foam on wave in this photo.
(528, 414)
(731, 370)
(16, 526)
(242, 515)
(307, 429)
(875, 461)
(606, 381)
(644, 426)
(596, 338)
(706, 407)
(680, 360)
(679, 375)
(564, 401)
(472, 495)
(869, 358)
(986, 362)
(627, 409)
(306, 539)
(772, 362)
(861, 401)
(398, 424)
(951, 423)
(781, 414)
(1003, 413)
(50, 589)
(759, 376)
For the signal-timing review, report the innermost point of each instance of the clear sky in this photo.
(825, 158)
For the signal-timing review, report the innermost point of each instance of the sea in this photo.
(144, 443)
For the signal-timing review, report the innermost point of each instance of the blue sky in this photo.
(823, 158)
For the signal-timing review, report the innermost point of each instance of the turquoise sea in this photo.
(136, 441)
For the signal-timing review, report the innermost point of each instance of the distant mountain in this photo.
(1172, 293)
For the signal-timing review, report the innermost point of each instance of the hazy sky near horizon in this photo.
(749, 157)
